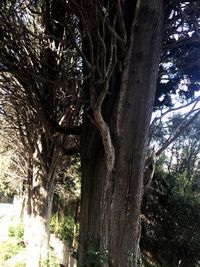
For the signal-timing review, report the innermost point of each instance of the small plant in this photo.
(96, 257)
(64, 228)
(52, 261)
(16, 231)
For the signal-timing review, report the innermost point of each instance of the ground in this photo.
(12, 254)
(12, 249)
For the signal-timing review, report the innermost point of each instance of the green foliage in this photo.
(96, 257)
(52, 261)
(147, 263)
(170, 220)
(69, 177)
(16, 231)
(64, 221)
(9, 249)
(170, 225)
(63, 227)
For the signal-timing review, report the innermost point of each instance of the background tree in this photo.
(14, 167)
(170, 218)
(66, 204)
(39, 80)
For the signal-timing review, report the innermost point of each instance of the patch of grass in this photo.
(9, 249)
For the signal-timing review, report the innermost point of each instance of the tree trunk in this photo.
(38, 241)
(37, 229)
(110, 205)
(37, 223)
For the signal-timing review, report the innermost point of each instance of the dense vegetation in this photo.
(170, 217)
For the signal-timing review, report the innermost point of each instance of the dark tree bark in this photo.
(111, 195)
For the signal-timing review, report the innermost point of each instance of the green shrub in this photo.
(64, 228)
(52, 260)
(16, 231)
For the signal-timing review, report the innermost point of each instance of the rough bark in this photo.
(38, 236)
(110, 206)
(37, 223)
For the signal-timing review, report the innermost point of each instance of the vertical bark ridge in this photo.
(113, 221)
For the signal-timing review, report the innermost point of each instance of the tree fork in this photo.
(110, 205)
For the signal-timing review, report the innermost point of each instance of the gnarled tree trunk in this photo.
(111, 199)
